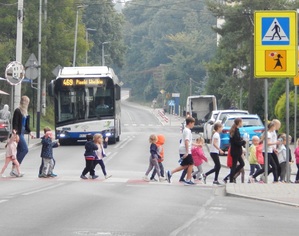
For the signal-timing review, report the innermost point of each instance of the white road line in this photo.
(42, 189)
(2, 201)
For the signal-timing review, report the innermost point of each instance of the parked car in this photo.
(218, 117)
(252, 125)
(4, 130)
(207, 126)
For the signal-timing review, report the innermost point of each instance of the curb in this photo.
(260, 198)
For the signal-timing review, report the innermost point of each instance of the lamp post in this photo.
(103, 53)
(76, 34)
(86, 37)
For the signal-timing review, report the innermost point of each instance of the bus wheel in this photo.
(117, 139)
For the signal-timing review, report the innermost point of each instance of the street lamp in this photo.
(86, 37)
(76, 34)
(103, 53)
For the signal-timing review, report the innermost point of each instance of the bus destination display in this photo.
(82, 82)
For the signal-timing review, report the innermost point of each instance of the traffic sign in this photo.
(275, 41)
(171, 103)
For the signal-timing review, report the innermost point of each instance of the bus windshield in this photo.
(84, 101)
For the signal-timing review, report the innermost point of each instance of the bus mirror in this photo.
(117, 92)
(51, 88)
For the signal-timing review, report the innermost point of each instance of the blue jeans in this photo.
(22, 149)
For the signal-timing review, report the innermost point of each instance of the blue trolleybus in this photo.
(87, 101)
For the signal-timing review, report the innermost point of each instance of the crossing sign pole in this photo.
(276, 42)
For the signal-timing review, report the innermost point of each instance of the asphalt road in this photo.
(124, 204)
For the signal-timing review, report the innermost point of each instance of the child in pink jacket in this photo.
(198, 158)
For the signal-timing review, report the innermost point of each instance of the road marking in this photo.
(42, 189)
(2, 201)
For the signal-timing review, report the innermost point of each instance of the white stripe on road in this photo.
(42, 189)
(2, 201)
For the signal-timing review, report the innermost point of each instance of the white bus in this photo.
(87, 101)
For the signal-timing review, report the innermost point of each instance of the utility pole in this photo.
(19, 46)
(39, 71)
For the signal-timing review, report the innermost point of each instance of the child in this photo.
(159, 143)
(253, 158)
(40, 174)
(198, 157)
(47, 154)
(214, 152)
(100, 153)
(11, 154)
(297, 161)
(153, 159)
(89, 155)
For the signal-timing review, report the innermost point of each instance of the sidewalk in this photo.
(287, 194)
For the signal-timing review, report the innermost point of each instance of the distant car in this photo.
(252, 125)
(4, 130)
(218, 117)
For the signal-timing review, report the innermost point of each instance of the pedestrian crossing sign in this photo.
(275, 44)
(275, 31)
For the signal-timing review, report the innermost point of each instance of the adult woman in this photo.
(236, 150)
(20, 123)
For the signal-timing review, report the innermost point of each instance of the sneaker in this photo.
(108, 176)
(296, 182)
(52, 175)
(83, 177)
(12, 174)
(40, 175)
(95, 176)
(204, 178)
(225, 180)
(216, 182)
(188, 183)
(43, 176)
(3, 176)
(168, 176)
(145, 178)
(154, 180)
(20, 175)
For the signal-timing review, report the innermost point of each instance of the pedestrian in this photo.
(100, 153)
(47, 154)
(269, 151)
(159, 143)
(253, 158)
(5, 113)
(236, 150)
(274, 138)
(90, 155)
(11, 154)
(153, 159)
(20, 123)
(198, 158)
(40, 175)
(215, 150)
(296, 152)
(185, 153)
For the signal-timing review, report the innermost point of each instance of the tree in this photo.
(234, 50)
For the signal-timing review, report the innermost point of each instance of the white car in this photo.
(218, 116)
(207, 126)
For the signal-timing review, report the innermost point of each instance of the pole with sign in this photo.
(275, 54)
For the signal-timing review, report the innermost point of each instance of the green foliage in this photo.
(280, 112)
(234, 51)
(167, 45)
